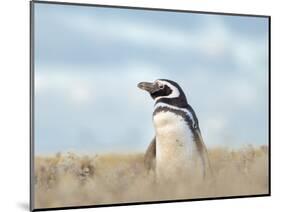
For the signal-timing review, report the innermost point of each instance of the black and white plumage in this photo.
(178, 145)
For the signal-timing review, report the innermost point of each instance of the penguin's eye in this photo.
(161, 86)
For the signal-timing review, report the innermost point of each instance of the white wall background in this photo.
(14, 105)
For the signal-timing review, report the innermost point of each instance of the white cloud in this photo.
(81, 94)
(76, 89)
(137, 33)
(92, 84)
(213, 129)
(213, 40)
(243, 92)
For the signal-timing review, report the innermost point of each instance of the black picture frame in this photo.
(31, 106)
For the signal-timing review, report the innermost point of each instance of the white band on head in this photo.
(175, 91)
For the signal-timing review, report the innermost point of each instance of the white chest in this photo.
(175, 147)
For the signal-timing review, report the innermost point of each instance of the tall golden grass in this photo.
(70, 179)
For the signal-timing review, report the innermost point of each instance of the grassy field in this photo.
(70, 179)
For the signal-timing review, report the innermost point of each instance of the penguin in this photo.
(177, 148)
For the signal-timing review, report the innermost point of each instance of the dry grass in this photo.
(71, 180)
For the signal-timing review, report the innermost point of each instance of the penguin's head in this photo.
(163, 90)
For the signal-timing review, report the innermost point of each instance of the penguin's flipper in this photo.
(150, 155)
(207, 169)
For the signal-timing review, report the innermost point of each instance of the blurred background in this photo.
(88, 61)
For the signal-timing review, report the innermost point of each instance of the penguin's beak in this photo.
(148, 86)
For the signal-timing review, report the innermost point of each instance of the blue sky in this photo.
(88, 61)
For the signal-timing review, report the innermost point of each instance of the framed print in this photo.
(143, 105)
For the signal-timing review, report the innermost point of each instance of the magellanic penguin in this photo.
(177, 148)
